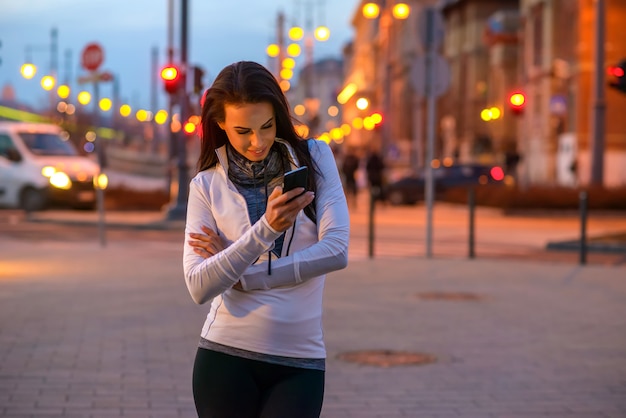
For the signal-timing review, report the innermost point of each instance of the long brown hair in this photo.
(247, 82)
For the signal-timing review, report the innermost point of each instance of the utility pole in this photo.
(598, 111)
(179, 211)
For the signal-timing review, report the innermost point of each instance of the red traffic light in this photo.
(169, 73)
(616, 71)
(171, 78)
(517, 101)
(618, 74)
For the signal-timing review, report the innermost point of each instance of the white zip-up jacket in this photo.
(278, 314)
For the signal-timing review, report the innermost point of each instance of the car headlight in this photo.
(100, 181)
(48, 171)
(60, 180)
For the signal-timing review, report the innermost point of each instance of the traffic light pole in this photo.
(429, 194)
(179, 210)
(597, 132)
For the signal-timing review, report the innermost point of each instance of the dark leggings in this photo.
(229, 386)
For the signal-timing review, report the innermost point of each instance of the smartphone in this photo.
(296, 178)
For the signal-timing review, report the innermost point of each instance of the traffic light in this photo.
(198, 85)
(618, 74)
(517, 102)
(172, 79)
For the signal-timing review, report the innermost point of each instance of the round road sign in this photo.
(92, 57)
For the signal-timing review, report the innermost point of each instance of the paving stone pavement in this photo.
(87, 331)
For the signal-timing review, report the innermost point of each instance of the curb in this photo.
(596, 247)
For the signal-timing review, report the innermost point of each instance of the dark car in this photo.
(410, 190)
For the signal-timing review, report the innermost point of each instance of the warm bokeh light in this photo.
(90, 136)
(485, 115)
(401, 11)
(336, 134)
(371, 10)
(435, 163)
(285, 85)
(294, 50)
(324, 137)
(299, 110)
(497, 173)
(160, 117)
(377, 118)
(302, 130)
(125, 110)
(28, 70)
(368, 123)
(347, 92)
(142, 115)
(517, 99)
(169, 73)
(362, 103)
(71, 109)
(175, 125)
(48, 171)
(272, 50)
(286, 74)
(63, 91)
(289, 63)
(105, 104)
(296, 33)
(322, 33)
(357, 123)
(333, 111)
(60, 180)
(347, 129)
(189, 128)
(48, 82)
(101, 181)
(448, 161)
(84, 97)
(495, 113)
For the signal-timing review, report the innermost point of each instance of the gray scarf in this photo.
(269, 172)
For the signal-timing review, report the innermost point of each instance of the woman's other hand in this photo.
(207, 244)
(282, 208)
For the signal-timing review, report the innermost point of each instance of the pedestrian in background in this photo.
(258, 255)
(349, 166)
(375, 168)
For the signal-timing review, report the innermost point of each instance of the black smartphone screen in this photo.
(296, 178)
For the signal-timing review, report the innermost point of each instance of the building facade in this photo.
(545, 50)
(558, 71)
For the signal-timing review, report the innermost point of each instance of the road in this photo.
(111, 332)
(399, 231)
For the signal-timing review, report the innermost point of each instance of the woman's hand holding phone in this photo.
(285, 202)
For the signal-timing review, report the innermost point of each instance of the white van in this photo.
(40, 166)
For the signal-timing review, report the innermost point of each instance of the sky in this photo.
(220, 32)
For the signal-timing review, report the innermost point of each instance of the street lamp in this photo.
(386, 12)
(28, 70)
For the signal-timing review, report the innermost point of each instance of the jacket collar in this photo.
(223, 158)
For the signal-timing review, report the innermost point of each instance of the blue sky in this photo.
(221, 32)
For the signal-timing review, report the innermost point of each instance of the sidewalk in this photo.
(109, 332)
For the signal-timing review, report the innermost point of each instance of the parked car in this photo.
(39, 167)
(410, 190)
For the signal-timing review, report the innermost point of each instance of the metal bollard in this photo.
(471, 201)
(373, 197)
(583, 226)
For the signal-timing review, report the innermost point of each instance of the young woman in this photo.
(258, 255)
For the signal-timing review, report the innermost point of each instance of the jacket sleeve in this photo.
(330, 253)
(207, 278)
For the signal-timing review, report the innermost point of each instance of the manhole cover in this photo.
(453, 296)
(387, 358)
